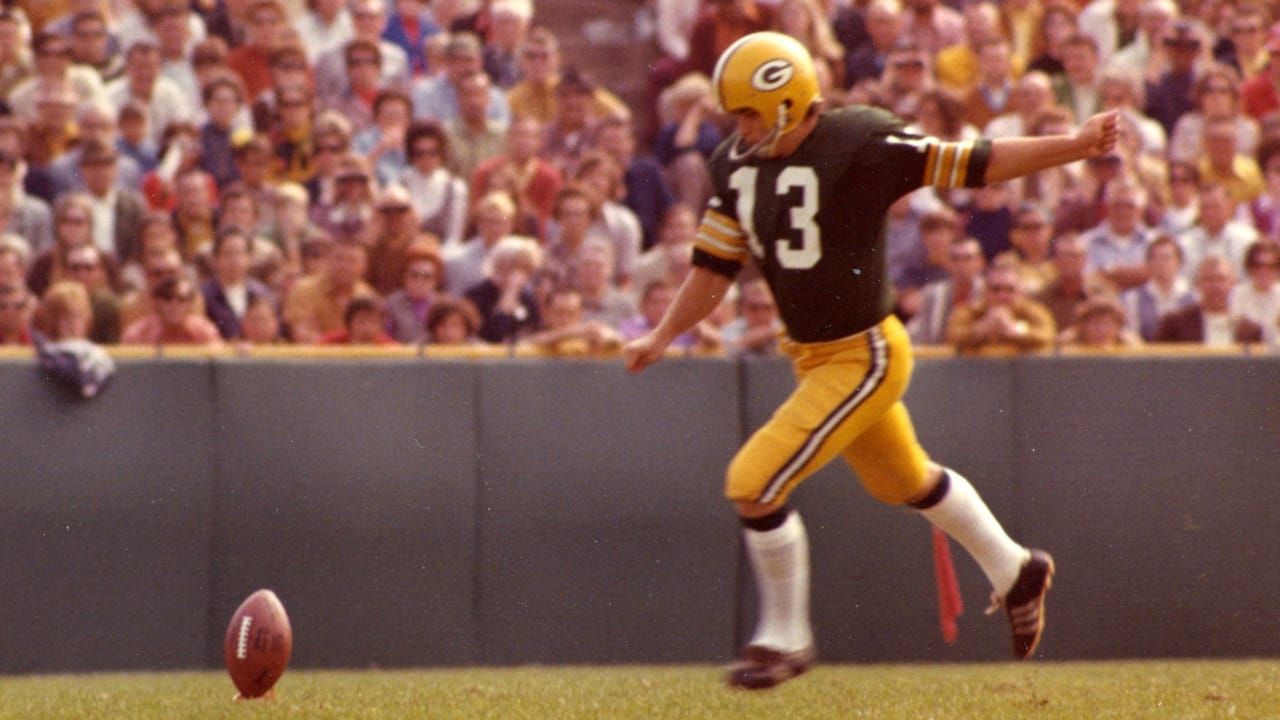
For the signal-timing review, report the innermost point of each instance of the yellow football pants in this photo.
(848, 401)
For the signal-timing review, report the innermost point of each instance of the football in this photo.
(259, 642)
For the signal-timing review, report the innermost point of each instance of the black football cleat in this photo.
(759, 667)
(1024, 603)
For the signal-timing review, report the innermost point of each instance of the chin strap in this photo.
(768, 141)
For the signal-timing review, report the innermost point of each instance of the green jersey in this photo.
(815, 220)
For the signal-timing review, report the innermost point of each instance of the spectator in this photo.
(645, 189)
(52, 133)
(508, 28)
(537, 93)
(363, 321)
(453, 321)
(808, 22)
(155, 236)
(15, 55)
(14, 257)
(1030, 238)
(988, 217)
(1257, 297)
(1100, 324)
(1216, 90)
(1210, 321)
(655, 298)
(409, 26)
(928, 260)
(1246, 50)
(290, 138)
(670, 259)
(577, 220)
(391, 235)
(435, 97)
(1056, 26)
(64, 312)
(867, 61)
(601, 300)
(962, 286)
(439, 198)
(230, 291)
(333, 68)
(1165, 290)
(179, 149)
(568, 332)
(719, 25)
(933, 25)
(73, 218)
(135, 136)
(1117, 246)
(687, 137)
(908, 75)
(15, 311)
(383, 142)
(472, 136)
(1222, 162)
(1003, 322)
(1169, 96)
(991, 93)
(958, 67)
(117, 213)
(505, 300)
(1070, 285)
(315, 304)
(757, 328)
(174, 320)
(331, 139)
(1260, 94)
(223, 100)
(88, 266)
(537, 182)
(165, 101)
(25, 216)
(261, 323)
(172, 29)
(601, 175)
(1122, 90)
(96, 123)
(571, 131)
(408, 306)
(324, 26)
(1264, 211)
(55, 75)
(1112, 24)
(1145, 55)
(1077, 87)
(288, 69)
(1182, 208)
(1216, 231)
(193, 213)
(352, 207)
(157, 268)
(495, 218)
(360, 87)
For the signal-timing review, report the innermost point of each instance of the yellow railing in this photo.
(482, 352)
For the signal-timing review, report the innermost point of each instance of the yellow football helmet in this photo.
(770, 73)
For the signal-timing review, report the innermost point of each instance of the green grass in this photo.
(1035, 690)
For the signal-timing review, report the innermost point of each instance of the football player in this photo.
(805, 193)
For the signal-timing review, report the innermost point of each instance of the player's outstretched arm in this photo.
(702, 292)
(1018, 156)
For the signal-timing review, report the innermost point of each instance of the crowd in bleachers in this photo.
(445, 172)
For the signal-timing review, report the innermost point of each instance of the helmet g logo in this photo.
(772, 75)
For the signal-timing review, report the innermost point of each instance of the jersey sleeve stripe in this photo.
(715, 246)
(721, 236)
(947, 164)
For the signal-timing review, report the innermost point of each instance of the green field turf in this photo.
(1179, 689)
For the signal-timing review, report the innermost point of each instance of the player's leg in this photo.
(895, 469)
(842, 389)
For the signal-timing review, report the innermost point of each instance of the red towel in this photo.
(950, 604)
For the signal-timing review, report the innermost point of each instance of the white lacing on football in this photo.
(242, 642)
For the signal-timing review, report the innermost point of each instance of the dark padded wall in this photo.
(603, 533)
(349, 488)
(450, 513)
(105, 527)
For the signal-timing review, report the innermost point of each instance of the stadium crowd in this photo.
(438, 171)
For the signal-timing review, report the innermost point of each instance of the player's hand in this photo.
(643, 352)
(1100, 133)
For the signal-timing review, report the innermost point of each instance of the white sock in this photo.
(963, 515)
(780, 559)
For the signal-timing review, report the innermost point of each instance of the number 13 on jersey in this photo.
(802, 215)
